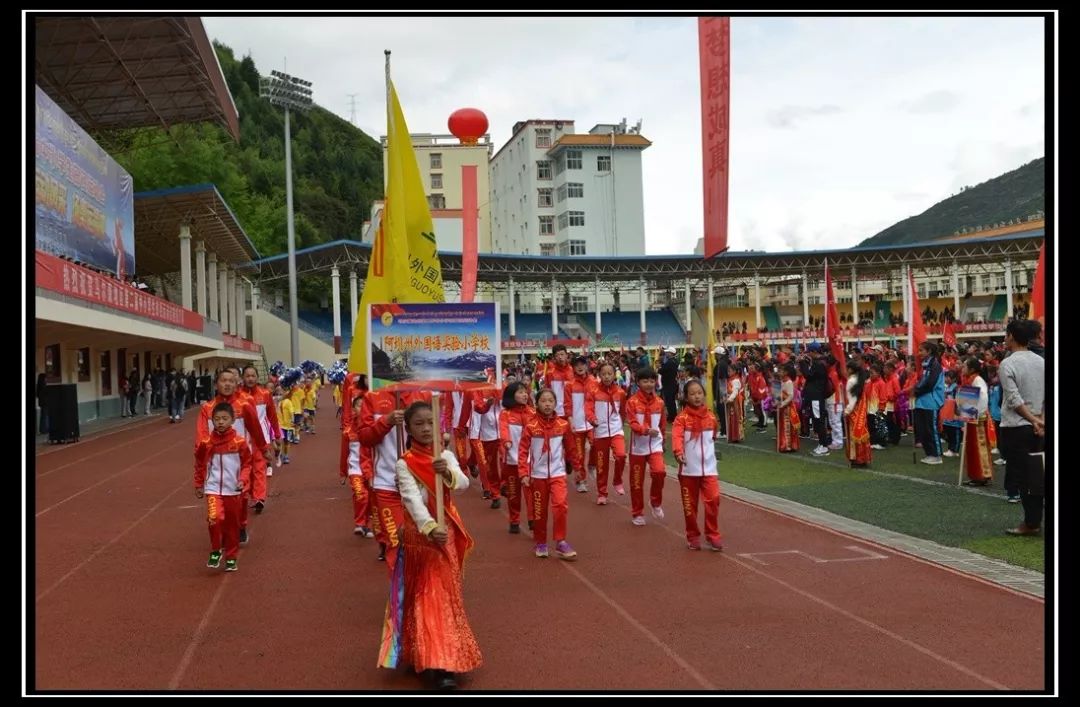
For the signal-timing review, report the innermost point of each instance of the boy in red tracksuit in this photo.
(486, 406)
(645, 412)
(515, 414)
(558, 378)
(265, 408)
(355, 384)
(222, 473)
(352, 472)
(604, 407)
(547, 447)
(245, 422)
(692, 439)
(759, 390)
(577, 389)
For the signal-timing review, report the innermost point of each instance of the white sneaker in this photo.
(820, 451)
(638, 520)
(840, 445)
(269, 470)
(995, 451)
(999, 462)
(949, 453)
(582, 487)
(877, 446)
(658, 512)
(931, 460)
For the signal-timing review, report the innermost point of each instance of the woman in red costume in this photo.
(857, 437)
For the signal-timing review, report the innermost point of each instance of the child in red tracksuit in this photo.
(645, 412)
(547, 448)
(604, 409)
(576, 391)
(485, 445)
(692, 438)
(352, 472)
(515, 413)
(222, 473)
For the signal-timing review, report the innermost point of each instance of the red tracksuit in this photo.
(490, 455)
(458, 414)
(266, 409)
(223, 471)
(547, 445)
(354, 471)
(692, 438)
(646, 412)
(348, 394)
(578, 389)
(603, 409)
(511, 424)
(558, 378)
(246, 423)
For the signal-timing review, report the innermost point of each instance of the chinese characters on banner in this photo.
(714, 48)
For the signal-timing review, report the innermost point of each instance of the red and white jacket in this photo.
(692, 437)
(222, 463)
(511, 422)
(245, 420)
(378, 439)
(267, 411)
(558, 378)
(488, 410)
(459, 411)
(603, 409)
(758, 388)
(579, 388)
(645, 412)
(547, 444)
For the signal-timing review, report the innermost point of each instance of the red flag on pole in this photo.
(714, 51)
(948, 335)
(916, 328)
(832, 327)
(1038, 291)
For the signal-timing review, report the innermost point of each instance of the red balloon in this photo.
(468, 125)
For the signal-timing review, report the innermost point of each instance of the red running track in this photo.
(123, 600)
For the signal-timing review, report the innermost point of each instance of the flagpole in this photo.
(386, 52)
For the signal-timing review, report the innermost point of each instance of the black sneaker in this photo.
(473, 471)
(486, 495)
(382, 552)
(243, 536)
(530, 525)
(444, 680)
(496, 503)
(230, 565)
(503, 491)
(259, 505)
(515, 528)
(215, 560)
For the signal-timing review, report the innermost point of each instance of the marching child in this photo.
(353, 474)
(604, 405)
(645, 411)
(285, 416)
(693, 438)
(222, 473)
(515, 414)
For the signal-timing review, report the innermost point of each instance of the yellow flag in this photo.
(404, 264)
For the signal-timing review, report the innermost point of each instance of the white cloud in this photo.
(876, 107)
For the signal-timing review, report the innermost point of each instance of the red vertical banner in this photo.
(1038, 290)
(832, 324)
(469, 227)
(714, 49)
(916, 327)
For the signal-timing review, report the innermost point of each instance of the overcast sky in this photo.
(840, 126)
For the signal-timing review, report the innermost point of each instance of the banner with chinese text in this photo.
(429, 342)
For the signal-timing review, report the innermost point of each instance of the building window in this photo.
(543, 197)
(579, 303)
(1000, 279)
(573, 159)
(543, 137)
(436, 201)
(577, 247)
(813, 300)
(436, 160)
(564, 221)
(575, 191)
(543, 169)
(436, 181)
(603, 163)
(921, 287)
(83, 357)
(577, 218)
(547, 248)
(561, 193)
(52, 363)
(106, 373)
(547, 225)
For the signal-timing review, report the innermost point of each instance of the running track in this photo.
(122, 600)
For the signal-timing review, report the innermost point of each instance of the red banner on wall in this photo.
(714, 49)
(468, 232)
(59, 275)
(235, 342)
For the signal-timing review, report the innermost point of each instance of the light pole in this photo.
(289, 92)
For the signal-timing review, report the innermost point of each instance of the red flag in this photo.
(714, 50)
(1038, 291)
(916, 328)
(832, 326)
(948, 336)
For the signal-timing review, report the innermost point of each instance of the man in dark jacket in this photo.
(669, 376)
(815, 391)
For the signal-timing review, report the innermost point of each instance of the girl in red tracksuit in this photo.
(515, 414)
(759, 390)
(604, 407)
(352, 472)
(692, 438)
(645, 411)
(222, 473)
(576, 391)
(486, 442)
(547, 448)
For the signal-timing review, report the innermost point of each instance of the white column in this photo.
(185, 266)
(223, 297)
(554, 310)
(212, 287)
(854, 299)
(712, 312)
(513, 317)
(805, 302)
(1008, 288)
(956, 289)
(641, 298)
(241, 308)
(335, 285)
(230, 299)
(255, 313)
(686, 309)
(757, 301)
(200, 277)
(352, 299)
(598, 324)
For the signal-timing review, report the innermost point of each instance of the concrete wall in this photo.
(274, 337)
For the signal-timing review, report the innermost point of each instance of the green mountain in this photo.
(337, 168)
(1013, 195)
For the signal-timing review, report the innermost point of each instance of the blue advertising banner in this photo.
(437, 343)
(83, 198)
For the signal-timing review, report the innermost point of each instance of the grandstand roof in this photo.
(606, 141)
(159, 215)
(110, 72)
(730, 265)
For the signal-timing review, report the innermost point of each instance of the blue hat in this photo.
(814, 346)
